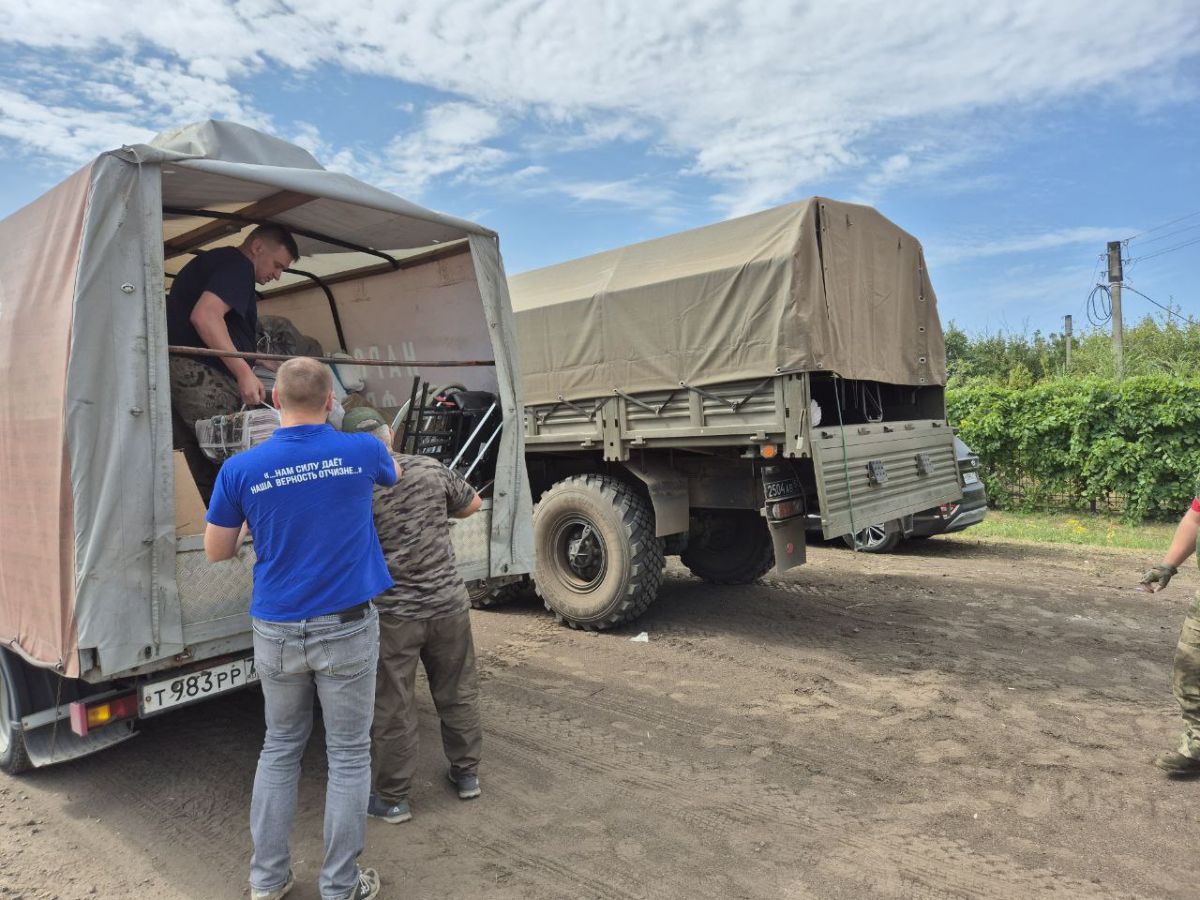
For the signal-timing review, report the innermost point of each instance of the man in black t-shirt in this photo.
(213, 304)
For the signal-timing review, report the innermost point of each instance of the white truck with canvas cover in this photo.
(700, 393)
(108, 609)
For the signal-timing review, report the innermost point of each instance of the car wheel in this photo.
(874, 539)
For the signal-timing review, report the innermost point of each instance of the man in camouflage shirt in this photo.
(1184, 761)
(424, 617)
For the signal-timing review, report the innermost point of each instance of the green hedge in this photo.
(1086, 440)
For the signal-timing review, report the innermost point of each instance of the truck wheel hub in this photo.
(582, 549)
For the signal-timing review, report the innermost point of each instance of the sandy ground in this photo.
(959, 720)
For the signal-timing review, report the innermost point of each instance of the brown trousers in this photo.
(445, 648)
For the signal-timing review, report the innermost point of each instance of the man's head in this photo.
(364, 420)
(272, 249)
(304, 389)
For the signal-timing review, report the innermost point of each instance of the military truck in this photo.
(109, 611)
(702, 393)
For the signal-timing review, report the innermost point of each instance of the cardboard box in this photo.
(189, 508)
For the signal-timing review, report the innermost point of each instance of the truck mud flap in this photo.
(788, 537)
(56, 742)
(877, 473)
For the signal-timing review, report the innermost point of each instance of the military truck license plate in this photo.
(160, 695)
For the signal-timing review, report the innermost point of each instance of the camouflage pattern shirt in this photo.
(412, 519)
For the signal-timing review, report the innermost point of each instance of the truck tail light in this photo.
(86, 716)
(948, 509)
(785, 509)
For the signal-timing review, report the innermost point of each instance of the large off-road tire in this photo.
(13, 758)
(599, 563)
(874, 539)
(484, 597)
(729, 547)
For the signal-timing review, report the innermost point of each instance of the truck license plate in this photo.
(160, 695)
(970, 478)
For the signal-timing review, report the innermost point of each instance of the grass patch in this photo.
(1072, 528)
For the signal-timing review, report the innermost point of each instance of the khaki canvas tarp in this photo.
(816, 285)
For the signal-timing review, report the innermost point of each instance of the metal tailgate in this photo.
(887, 471)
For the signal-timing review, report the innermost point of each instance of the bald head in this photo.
(303, 386)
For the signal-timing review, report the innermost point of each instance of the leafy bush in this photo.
(1085, 439)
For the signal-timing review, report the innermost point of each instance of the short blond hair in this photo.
(304, 385)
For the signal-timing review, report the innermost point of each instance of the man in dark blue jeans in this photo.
(305, 494)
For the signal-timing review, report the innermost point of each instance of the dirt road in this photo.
(960, 720)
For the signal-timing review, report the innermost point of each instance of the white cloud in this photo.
(632, 193)
(763, 97)
(944, 254)
(63, 132)
(450, 142)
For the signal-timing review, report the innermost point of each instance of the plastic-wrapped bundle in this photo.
(222, 436)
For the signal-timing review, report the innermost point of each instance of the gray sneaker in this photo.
(393, 813)
(367, 887)
(275, 893)
(466, 785)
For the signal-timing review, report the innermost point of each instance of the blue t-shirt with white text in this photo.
(306, 494)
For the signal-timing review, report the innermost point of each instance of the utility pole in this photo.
(1067, 334)
(1115, 277)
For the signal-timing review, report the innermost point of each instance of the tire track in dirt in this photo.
(908, 862)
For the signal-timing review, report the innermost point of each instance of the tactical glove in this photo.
(1160, 575)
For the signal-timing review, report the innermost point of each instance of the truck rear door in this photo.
(876, 473)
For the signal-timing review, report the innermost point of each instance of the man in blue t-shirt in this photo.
(213, 304)
(305, 494)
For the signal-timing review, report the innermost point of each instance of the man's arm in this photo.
(220, 542)
(1183, 545)
(208, 318)
(470, 509)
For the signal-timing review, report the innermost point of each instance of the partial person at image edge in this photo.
(1184, 760)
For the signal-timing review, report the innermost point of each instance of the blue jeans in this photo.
(336, 660)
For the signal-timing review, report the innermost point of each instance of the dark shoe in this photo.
(466, 785)
(367, 887)
(1175, 763)
(393, 813)
(275, 893)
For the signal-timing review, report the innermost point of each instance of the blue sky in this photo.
(1013, 138)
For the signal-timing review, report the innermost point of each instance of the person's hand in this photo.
(1157, 577)
(252, 390)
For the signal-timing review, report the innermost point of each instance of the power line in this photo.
(1134, 237)
(1165, 309)
(1168, 250)
(1163, 237)
(1099, 305)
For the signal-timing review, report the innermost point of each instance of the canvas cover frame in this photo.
(87, 527)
